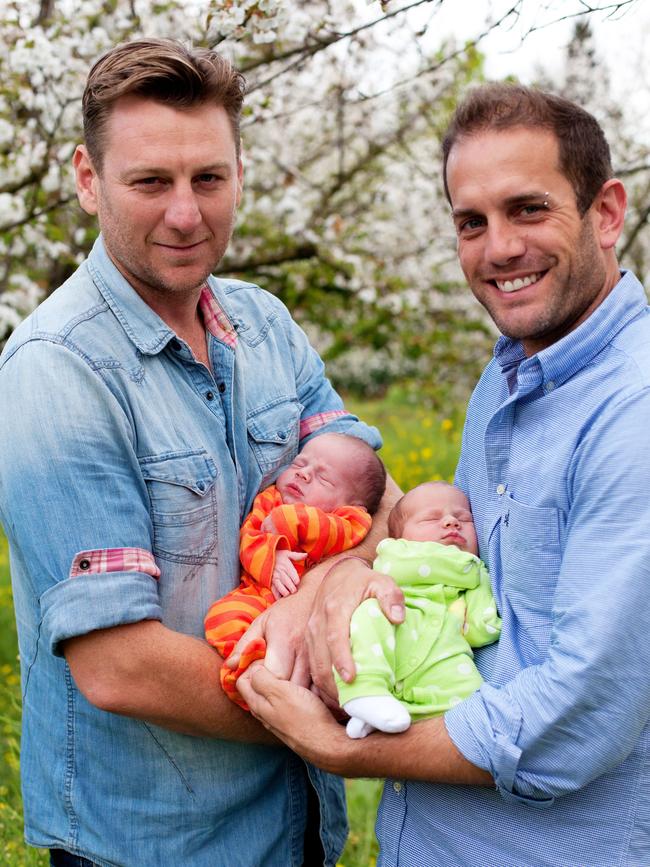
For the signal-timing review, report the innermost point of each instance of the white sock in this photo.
(357, 728)
(382, 712)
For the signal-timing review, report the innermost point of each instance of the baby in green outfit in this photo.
(424, 666)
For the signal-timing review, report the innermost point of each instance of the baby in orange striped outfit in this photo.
(320, 505)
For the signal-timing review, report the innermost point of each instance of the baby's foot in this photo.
(382, 712)
(357, 728)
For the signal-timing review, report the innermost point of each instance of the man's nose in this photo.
(183, 213)
(504, 242)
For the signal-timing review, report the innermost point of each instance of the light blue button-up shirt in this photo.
(556, 463)
(114, 437)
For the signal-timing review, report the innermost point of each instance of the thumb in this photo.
(295, 555)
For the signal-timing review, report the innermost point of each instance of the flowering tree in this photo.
(343, 215)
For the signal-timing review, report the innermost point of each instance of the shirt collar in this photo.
(145, 328)
(554, 365)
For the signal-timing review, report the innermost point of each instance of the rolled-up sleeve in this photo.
(71, 483)
(559, 724)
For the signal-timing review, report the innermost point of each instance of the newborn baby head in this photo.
(434, 512)
(334, 470)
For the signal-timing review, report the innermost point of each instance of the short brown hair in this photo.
(370, 478)
(585, 157)
(162, 70)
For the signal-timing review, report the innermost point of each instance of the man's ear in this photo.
(609, 212)
(86, 179)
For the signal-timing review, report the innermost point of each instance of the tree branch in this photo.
(295, 254)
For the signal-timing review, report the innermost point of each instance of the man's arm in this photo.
(71, 482)
(147, 671)
(297, 717)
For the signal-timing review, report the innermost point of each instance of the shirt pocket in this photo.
(182, 494)
(531, 558)
(273, 436)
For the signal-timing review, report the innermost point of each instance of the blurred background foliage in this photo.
(343, 215)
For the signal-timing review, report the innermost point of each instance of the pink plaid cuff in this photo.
(314, 422)
(114, 560)
(215, 319)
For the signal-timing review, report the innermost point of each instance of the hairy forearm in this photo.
(149, 672)
(425, 752)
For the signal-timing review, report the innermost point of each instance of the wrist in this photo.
(346, 559)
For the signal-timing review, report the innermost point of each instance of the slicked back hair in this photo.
(164, 71)
(585, 157)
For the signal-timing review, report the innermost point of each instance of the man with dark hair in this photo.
(144, 404)
(547, 762)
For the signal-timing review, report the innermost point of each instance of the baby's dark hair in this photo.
(370, 482)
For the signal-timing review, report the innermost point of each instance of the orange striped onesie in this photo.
(302, 528)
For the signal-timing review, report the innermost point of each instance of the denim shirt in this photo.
(114, 437)
(556, 464)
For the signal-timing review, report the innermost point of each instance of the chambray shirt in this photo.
(556, 462)
(125, 470)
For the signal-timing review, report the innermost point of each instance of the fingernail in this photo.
(345, 674)
(397, 611)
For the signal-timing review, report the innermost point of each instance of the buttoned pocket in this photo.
(531, 558)
(273, 435)
(181, 487)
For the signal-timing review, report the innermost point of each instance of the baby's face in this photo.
(439, 513)
(321, 475)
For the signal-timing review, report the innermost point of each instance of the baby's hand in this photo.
(268, 526)
(285, 578)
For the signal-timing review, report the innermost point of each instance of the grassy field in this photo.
(419, 445)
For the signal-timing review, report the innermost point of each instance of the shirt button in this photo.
(501, 489)
(209, 395)
(399, 684)
(549, 386)
(222, 387)
(397, 787)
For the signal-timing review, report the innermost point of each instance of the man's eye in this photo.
(533, 210)
(208, 179)
(148, 182)
(470, 226)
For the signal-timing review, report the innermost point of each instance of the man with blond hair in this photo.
(144, 405)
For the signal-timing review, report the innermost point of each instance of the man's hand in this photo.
(328, 630)
(282, 626)
(285, 578)
(295, 715)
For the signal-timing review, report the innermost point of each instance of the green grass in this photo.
(418, 445)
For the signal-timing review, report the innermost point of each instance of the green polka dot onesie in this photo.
(426, 662)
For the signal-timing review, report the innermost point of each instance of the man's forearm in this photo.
(149, 672)
(425, 752)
